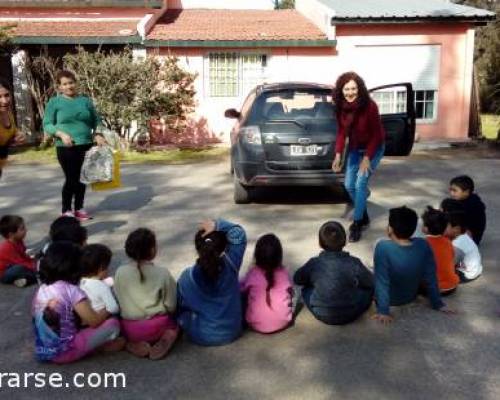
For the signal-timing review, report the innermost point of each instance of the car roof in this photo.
(267, 87)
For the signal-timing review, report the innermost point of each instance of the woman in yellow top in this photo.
(8, 130)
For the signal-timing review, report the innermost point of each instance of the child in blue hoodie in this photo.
(208, 295)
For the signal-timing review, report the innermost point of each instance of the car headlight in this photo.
(251, 135)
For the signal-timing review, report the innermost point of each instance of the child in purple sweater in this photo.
(268, 288)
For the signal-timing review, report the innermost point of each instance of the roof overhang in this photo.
(86, 4)
(76, 40)
(411, 20)
(239, 43)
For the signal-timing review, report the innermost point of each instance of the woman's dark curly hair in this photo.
(62, 262)
(363, 95)
(6, 85)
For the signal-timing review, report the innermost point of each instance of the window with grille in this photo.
(425, 104)
(390, 102)
(234, 74)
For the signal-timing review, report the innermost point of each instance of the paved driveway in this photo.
(423, 355)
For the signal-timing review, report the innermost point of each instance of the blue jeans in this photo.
(339, 315)
(356, 184)
(15, 272)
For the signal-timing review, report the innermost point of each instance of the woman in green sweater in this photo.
(72, 119)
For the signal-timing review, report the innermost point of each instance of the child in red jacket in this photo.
(16, 267)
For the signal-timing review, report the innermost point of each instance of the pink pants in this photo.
(89, 339)
(147, 330)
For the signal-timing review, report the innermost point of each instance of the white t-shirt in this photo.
(467, 257)
(100, 295)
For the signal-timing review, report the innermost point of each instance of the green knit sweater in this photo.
(75, 116)
(155, 295)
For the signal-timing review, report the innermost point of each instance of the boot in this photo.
(355, 231)
(365, 221)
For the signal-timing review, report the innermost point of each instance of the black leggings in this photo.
(71, 161)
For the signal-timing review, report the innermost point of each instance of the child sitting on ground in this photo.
(95, 263)
(467, 257)
(76, 233)
(434, 227)
(209, 299)
(268, 288)
(337, 287)
(16, 267)
(462, 190)
(60, 305)
(402, 264)
(147, 298)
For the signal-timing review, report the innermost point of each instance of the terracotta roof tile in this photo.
(241, 25)
(74, 29)
(68, 22)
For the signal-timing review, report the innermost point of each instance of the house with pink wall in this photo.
(235, 45)
(429, 44)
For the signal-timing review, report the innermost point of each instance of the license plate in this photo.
(311, 150)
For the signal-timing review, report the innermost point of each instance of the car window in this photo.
(246, 105)
(301, 104)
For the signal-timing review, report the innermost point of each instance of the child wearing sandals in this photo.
(60, 308)
(268, 288)
(147, 298)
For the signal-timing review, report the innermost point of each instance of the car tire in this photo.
(241, 192)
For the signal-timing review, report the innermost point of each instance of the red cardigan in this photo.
(14, 254)
(367, 133)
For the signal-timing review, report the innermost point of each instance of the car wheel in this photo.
(241, 192)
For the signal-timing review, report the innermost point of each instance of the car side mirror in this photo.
(232, 113)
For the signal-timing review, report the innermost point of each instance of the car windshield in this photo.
(301, 105)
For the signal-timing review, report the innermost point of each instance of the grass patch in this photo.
(490, 124)
(170, 156)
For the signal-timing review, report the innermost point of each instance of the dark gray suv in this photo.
(285, 135)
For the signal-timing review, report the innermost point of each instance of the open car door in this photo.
(397, 111)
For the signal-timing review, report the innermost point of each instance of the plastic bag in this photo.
(98, 165)
(116, 178)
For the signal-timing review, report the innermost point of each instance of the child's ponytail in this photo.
(141, 246)
(210, 249)
(268, 256)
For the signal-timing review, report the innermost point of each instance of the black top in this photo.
(475, 216)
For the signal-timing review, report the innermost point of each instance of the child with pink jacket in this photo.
(268, 288)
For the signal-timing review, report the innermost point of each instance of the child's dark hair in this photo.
(140, 246)
(403, 221)
(10, 224)
(62, 262)
(464, 182)
(450, 205)
(95, 257)
(332, 236)
(435, 221)
(61, 223)
(71, 232)
(210, 249)
(268, 256)
(457, 219)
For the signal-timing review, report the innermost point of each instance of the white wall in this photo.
(283, 65)
(317, 13)
(223, 4)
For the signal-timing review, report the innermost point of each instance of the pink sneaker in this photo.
(68, 214)
(82, 215)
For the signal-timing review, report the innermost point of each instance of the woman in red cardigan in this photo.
(358, 120)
